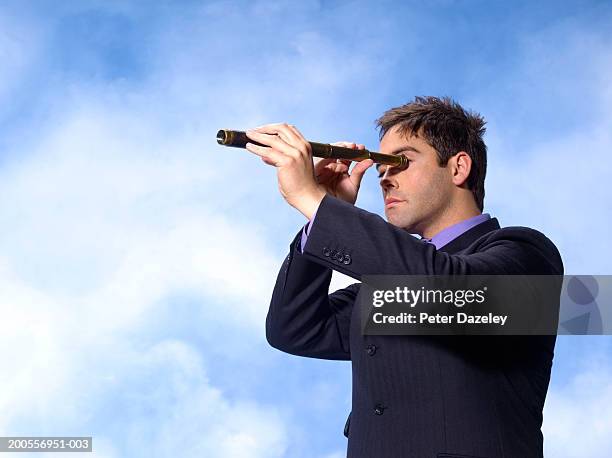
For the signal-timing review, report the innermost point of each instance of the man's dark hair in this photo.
(446, 127)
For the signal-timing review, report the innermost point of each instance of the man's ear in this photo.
(461, 167)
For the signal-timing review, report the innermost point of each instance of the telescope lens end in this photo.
(223, 137)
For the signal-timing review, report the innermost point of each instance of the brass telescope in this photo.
(238, 139)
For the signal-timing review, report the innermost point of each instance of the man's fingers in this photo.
(344, 144)
(295, 131)
(273, 141)
(339, 167)
(270, 155)
(286, 132)
(360, 169)
(321, 162)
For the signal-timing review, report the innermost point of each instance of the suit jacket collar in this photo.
(470, 236)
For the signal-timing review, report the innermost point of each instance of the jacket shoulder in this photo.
(526, 246)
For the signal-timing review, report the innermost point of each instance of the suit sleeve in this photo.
(303, 319)
(356, 242)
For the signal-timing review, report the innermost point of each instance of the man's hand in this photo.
(302, 184)
(334, 176)
(291, 154)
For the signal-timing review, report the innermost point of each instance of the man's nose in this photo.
(386, 180)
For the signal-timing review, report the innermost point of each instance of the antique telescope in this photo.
(238, 139)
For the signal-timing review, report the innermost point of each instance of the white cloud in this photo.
(107, 220)
(100, 215)
(183, 415)
(576, 418)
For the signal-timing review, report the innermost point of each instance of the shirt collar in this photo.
(450, 233)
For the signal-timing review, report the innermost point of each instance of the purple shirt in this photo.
(306, 231)
(444, 237)
(447, 235)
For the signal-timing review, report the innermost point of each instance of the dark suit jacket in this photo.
(417, 396)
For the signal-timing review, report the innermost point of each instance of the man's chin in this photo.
(401, 223)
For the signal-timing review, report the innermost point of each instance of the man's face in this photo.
(422, 191)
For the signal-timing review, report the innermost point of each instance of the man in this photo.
(413, 396)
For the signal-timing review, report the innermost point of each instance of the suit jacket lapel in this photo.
(470, 236)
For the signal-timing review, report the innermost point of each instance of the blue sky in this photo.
(137, 257)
